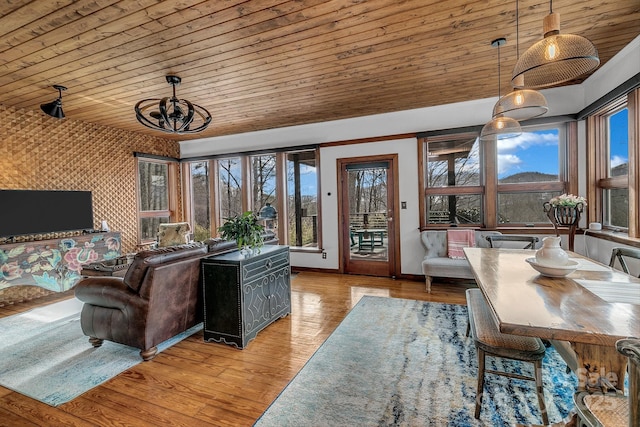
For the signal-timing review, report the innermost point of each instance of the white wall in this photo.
(407, 151)
(564, 100)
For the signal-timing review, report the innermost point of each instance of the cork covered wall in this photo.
(38, 152)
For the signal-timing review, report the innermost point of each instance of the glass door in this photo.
(368, 210)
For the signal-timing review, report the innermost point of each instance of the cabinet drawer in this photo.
(260, 267)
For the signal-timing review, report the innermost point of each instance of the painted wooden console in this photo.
(243, 295)
(54, 264)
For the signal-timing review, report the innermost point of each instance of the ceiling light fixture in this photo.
(521, 104)
(555, 59)
(54, 109)
(500, 126)
(171, 114)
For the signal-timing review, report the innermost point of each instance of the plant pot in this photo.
(566, 215)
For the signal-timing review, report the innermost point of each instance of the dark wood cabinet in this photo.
(243, 295)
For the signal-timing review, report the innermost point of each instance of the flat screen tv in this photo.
(41, 211)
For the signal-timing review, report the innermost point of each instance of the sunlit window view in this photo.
(454, 163)
(615, 201)
(201, 226)
(230, 197)
(530, 158)
(153, 181)
(302, 198)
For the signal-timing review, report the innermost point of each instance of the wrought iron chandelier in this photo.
(171, 114)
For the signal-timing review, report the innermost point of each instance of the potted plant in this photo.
(565, 209)
(245, 230)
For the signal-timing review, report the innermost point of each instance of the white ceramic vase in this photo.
(551, 254)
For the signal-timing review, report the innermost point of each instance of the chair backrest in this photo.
(630, 347)
(515, 241)
(620, 254)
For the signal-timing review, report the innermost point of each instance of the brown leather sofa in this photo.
(158, 298)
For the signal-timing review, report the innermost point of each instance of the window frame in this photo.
(247, 188)
(598, 162)
(489, 189)
(172, 190)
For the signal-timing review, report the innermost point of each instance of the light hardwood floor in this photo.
(207, 384)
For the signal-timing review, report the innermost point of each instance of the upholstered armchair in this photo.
(158, 298)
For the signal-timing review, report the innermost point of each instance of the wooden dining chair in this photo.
(620, 254)
(515, 241)
(489, 341)
(614, 409)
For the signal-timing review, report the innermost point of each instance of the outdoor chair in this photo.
(513, 241)
(620, 254)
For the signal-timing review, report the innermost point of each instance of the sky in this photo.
(538, 151)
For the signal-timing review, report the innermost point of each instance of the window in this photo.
(219, 191)
(200, 201)
(494, 183)
(614, 164)
(263, 189)
(530, 173)
(156, 196)
(302, 198)
(452, 177)
(230, 188)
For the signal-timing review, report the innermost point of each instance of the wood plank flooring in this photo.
(207, 384)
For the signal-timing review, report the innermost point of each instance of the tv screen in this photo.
(39, 211)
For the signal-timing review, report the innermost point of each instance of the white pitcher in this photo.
(551, 254)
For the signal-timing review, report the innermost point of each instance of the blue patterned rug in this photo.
(394, 362)
(44, 355)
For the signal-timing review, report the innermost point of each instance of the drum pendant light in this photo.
(500, 126)
(54, 109)
(557, 58)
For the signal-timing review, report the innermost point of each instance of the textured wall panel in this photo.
(38, 152)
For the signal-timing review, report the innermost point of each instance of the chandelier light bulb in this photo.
(519, 98)
(551, 52)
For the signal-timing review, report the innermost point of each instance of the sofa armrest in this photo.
(110, 292)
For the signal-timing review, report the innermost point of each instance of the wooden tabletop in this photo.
(594, 305)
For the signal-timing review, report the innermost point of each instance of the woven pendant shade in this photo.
(502, 127)
(521, 104)
(558, 58)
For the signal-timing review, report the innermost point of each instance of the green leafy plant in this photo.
(244, 229)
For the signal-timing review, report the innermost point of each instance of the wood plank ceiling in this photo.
(260, 64)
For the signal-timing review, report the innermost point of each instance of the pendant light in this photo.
(521, 104)
(555, 59)
(501, 126)
(54, 109)
(171, 114)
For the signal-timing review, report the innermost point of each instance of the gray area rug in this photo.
(394, 362)
(44, 354)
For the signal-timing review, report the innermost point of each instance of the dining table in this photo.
(589, 309)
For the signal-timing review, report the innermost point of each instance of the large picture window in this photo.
(530, 172)
(496, 182)
(257, 183)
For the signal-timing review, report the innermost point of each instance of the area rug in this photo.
(396, 362)
(44, 354)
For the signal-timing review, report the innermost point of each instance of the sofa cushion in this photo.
(447, 267)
